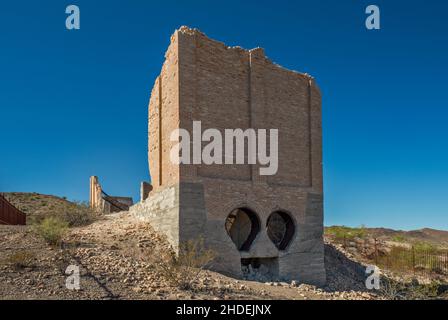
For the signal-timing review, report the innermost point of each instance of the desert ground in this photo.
(121, 257)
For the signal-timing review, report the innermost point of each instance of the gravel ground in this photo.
(109, 254)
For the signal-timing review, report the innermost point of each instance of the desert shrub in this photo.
(423, 291)
(78, 215)
(399, 238)
(396, 290)
(397, 259)
(75, 214)
(342, 233)
(52, 229)
(182, 270)
(20, 259)
(392, 289)
(420, 258)
(425, 247)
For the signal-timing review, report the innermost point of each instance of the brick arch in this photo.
(297, 213)
(243, 226)
(254, 214)
(262, 213)
(281, 228)
(295, 216)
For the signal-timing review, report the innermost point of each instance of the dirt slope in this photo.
(109, 256)
(116, 256)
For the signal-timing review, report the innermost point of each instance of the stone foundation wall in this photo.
(162, 211)
(185, 212)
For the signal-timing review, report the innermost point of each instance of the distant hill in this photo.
(37, 206)
(437, 237)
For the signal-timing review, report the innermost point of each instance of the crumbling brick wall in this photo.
(102, 203)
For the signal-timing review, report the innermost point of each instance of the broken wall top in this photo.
(230, 87)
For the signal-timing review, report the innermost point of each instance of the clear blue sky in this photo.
(74, 103)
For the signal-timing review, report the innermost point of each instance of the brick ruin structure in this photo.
(101, 202)
(270, 226)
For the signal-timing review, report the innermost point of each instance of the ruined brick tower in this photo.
(270, 226)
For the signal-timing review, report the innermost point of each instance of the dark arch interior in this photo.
(242, 226)
(280, 229)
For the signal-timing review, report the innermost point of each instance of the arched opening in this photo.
(242, 226)
(280, 229)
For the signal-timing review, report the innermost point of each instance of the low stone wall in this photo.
(161, 209)
(166, 209)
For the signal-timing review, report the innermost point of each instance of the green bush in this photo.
(346, 233)
(78, 215)
(425, 247)
(52, 229)
(399, 238)
(75, 214)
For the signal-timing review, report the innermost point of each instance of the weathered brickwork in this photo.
(104, 204)
(228, 88)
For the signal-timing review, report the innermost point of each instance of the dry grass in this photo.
(20, 260)
(394, 290)
(180, 270)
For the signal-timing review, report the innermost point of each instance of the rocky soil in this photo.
(112, 254)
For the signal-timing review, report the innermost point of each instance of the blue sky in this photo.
(74, 103)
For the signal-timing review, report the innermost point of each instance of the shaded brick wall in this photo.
(163, 119)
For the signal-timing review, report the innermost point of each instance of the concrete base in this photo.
(180, 212)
